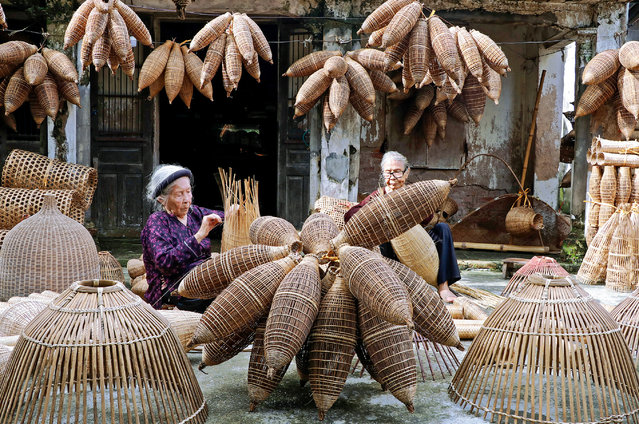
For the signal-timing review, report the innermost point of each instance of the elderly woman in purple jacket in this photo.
(174, 239)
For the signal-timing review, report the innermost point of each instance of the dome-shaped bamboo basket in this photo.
(523, 220)
(274, 231)
(626, 314)
(98, 353)
(335, 208)
(536, 265)
(548, 354)
(110, 268)
(416, 249)
(47, 251)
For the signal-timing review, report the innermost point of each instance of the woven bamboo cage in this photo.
(135, 268)
(468, 329)
(226, 348)
(293, 311)
(335, 208)
(329, 277)
(449, 208)
(608, 185)
(620, 271)
(374, 283)
(16, 317)
(387, 216)
(431, 317)
(624, 185)
(332, 345)
(634, 192)
(317, 232)
(5, 353)
(115, 337)
(208, 279)
(3, 234)
(241, 208)
(243, 302)
(16, 204)
(616, 146)
(606, 210)
(47, 251)
(416, 249)
(274, 231)
(24, 169)
(593, 266)
(182, 322)
(455, 310)
(110, 268)
(470, 309)
(536, 265)
(140, 286)
(592, 226)
(594, 183)
(302, 363)
(549, 353)
(391, 354)
(260, 386)
(522, 220)
(626, 313)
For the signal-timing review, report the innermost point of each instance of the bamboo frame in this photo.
(241, 208)
(536, 265)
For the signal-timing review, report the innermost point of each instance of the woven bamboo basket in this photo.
(386, 217)
(401, 24)
(628, 55)
(260, 386)
(335, 208)
(601, 67)
(624, 185)
(627, 86)
(335, 67)
(616, 159)
(468, 329)
(620, 272)
(470, 309)
(448, 208)
(616, 146)
(274, 231)
(381, 16)
(5, 354)
(543, 265)
(593, 266)
(375, 284)
(317, 232)
(135, 268)
(100, 323)
(592, 226)
(522, 220)
(3, 234)
(455, 310)
(47, 251)
(15, 318)
(594, 96)
(474, 98)
(359, 81)
(416, 249)
(24, 169)
(634, 191)
(208, 279)
(302, 363)
(292, 314)
(241, 208)
(594, 184)
(140, 286)
(550, 353)
(110, 268)
(332, 345)
(226, 348)
(625, 120)
(605, 212)
(491, 52)
(17, 204)
(310, 63)
(213, 29)
(391, 353)
(329, 277)
(243, 302)
(626, 313)
(182, 322)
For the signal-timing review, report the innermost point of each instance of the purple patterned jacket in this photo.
(170, 250)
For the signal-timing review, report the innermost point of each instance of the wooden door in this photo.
(121, 149)
(293, 152)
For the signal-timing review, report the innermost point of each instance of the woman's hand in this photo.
(208, 223)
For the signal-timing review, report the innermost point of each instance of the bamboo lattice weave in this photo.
(536, 265)
(98, 353)
(302, 363)
(335, 208)
(274, 231)
(182, 322)
(226, 348)
(110, 268)
(550, 353)
(208, 279)
(624, 186)
(626, 314)
(24, 169)
(17, 204)
(317, 232)
(241, 208)
(47, 251)
(593, 266)
(17, 316)
(416, 249)
(620, 271)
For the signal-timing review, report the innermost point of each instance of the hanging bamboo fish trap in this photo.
(536, 265)
(550, 353)
(241, 208)
(46, 251)
(626, 314)
(522, 220)
(275, 231)
(335, 208)
(117, 343)
(110, 268)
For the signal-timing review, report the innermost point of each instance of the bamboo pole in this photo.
(501, 247)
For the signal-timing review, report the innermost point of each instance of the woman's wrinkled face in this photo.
(395, 174)
(179, 199)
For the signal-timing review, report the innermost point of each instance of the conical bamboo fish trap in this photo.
(116, 342)
(416, 249)
(241, 208)
(550, 353)
(592, 226)
(17, 316)
(182, 322)
(47, 251)
(387, 216)
(593, 266)
(317, 232)
(626, 314)
(608, 185)
(335, 208)
(523, 220)
(274, 231)
(536, 265)
(110, 268)
(624, 186)
(620, 271)
(594, 183)
(226, 348)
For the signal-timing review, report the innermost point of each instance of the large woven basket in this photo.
(523, 220)
(335, 208)
(47, 251)
(536, 265)
(182, 322)
(317, 231)
(416, 249)
(16, 204)
(549, 353)
(110, 268)
(24, 169)
(226, 348)
(123, 363)
(626, 314)
(16, 317)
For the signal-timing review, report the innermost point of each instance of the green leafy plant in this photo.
(53, 11)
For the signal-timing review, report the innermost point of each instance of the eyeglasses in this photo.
(395, 173)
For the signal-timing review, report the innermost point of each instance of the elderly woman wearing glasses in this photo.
(174, 239)
(395, 171)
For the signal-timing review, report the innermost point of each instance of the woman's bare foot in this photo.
(445, 293)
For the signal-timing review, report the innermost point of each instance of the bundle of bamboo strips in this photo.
(241, 208)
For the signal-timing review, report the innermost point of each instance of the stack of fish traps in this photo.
(268, 295)
(102, 324)
(445, 71)
(610, 77)
(27, 177)
(549, 353)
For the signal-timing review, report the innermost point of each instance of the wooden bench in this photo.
(511, 265)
